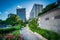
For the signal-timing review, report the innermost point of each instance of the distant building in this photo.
(37, 8)
(21, 12)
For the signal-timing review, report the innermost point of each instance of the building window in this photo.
(57, 17)
(47, 19)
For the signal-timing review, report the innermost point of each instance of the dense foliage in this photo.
(2, 22)
(47, 8)
(11, 20)
(50, 35)
(9, 30)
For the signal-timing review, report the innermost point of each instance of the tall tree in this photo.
(12, 19)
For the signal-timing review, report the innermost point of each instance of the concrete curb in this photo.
(40, 36)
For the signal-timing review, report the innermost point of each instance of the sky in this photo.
(10, 6)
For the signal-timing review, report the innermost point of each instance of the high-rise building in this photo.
(37, 8)
(21, 12)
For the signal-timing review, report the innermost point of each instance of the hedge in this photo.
(8, 30)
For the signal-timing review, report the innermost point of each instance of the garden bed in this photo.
(10, 33)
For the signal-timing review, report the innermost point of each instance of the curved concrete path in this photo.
(28, 35)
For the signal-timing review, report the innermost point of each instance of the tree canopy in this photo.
(11, 20)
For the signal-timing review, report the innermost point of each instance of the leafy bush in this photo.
(9, 30)
(16, 32)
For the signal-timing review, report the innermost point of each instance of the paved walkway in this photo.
(28, 35)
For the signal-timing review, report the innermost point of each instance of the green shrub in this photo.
(9, 30)
(16, 32)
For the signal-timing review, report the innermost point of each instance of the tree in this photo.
(2, 22)
(33, 23)
(20, 22)
(12, 19)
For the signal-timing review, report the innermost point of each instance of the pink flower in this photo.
(21, 36)
(10, 36)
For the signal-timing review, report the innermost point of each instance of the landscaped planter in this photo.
(11, 33)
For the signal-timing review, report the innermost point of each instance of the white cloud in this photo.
(18, 6)
(0, 12)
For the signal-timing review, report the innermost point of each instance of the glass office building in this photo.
(21, 12)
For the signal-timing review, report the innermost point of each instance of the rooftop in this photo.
(48, 8)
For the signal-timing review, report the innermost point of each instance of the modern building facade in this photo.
(37, 8)
(21, 12)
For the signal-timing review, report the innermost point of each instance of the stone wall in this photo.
(49, 22)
